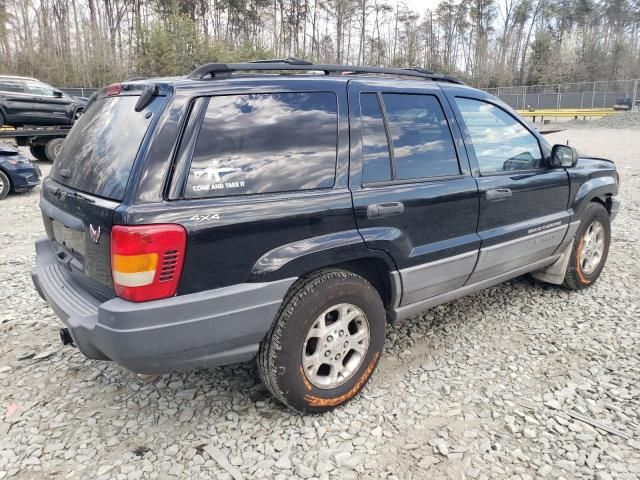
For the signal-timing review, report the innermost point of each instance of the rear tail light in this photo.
(146, 260)
(114, 89)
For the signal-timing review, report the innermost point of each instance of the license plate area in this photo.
(69, 240)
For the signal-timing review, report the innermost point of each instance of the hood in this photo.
(587, 158)
(8, 150)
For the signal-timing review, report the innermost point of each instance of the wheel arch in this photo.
(376, 271)
(343, 250)
(605, 201)
(599, 190)
(11, 186)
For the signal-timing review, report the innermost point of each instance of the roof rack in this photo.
(289, 61)
(225, 70)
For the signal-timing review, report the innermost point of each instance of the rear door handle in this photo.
(498, 194)
(381, 210)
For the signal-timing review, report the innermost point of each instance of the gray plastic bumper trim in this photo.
(430, 279)
(408, 311)
(205, 329)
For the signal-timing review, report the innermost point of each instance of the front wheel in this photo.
(5, 185)
(590, 248)
(325, 342)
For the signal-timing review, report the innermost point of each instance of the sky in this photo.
(421, 5)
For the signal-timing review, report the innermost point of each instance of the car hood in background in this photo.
(8, 150)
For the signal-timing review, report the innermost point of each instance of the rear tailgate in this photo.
(79, 231)
(88, 182)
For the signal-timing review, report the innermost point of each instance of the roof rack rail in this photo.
(225, 70)
(288, 61)
(422, 70)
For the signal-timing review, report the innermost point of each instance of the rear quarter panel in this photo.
(246, 238)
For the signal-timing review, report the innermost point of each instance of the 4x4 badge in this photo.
(94, 233)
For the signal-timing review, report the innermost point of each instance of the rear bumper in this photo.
(205, 329)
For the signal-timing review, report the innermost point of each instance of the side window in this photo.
(376, 160)
(420, 136)
(40, 89)
(13, 86)
(500, 142)
(262, 143)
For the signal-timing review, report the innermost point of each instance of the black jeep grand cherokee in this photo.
(211, 219)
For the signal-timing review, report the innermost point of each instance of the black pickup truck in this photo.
(287, 211)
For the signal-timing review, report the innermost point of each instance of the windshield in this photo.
(99, 153)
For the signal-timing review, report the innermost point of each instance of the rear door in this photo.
(15, 99)
(412, 190)
(88, 182)
(260, 182)
(523, 201)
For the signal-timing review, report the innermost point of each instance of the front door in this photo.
(45, 107)
(523, 201)
(413, 194)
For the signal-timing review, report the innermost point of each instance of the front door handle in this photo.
(498, 194)
(381, 210)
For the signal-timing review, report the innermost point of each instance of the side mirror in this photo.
(58, 94)
(563, 156)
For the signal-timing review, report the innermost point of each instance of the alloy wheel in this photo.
(592, 250)
(336, 346)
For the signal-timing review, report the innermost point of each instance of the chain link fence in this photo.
(601, 94)
(80, 91)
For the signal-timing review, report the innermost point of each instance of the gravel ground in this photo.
(494, 385)
(624, 120)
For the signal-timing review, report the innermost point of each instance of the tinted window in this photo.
(500, 142)
(265, 143)
(421, 139)
(102, 146)
(11, 86)
(376, 159)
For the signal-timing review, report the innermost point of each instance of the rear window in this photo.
(14, 86)
(421, 139)
(262, 143)
(98, 154)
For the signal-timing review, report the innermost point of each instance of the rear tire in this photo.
(38, 153)
(5, 185)
(325, 343)
(590, 248)
(52, 148)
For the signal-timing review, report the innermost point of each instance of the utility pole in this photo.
(635, 94)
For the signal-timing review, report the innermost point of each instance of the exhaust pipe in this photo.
(65, 337)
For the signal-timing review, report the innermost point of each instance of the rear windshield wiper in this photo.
(62, 195)
(80, 196)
